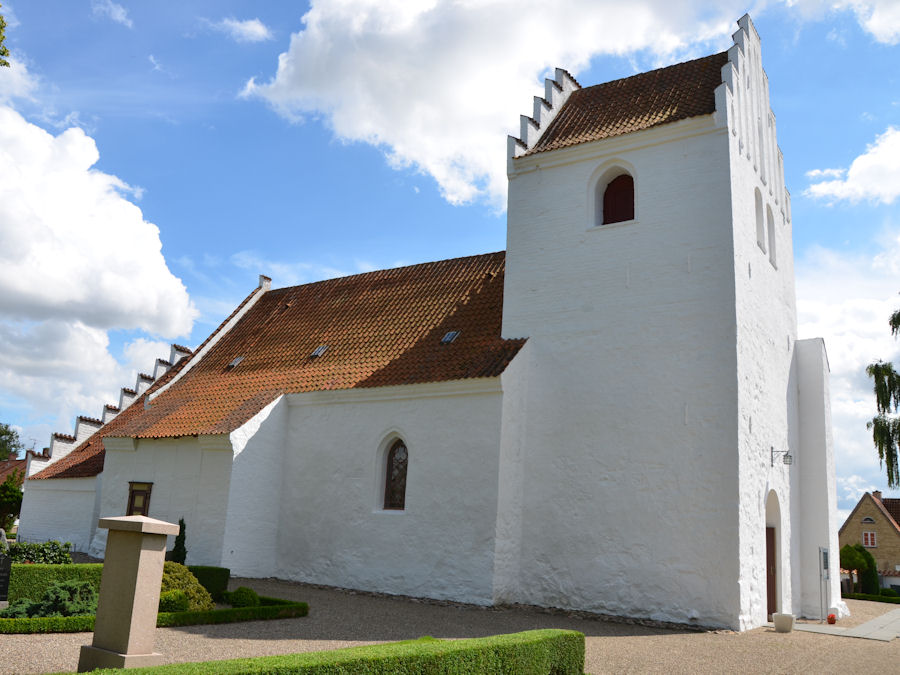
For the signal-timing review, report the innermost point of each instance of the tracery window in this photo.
(395, 476)
(618, 200)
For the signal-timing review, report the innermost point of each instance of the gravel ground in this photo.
(342, 619)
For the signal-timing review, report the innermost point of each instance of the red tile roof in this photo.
(892, 506)
(10, 465)
(634, 103)
(381, 328)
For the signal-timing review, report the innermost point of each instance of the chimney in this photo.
(877, 494)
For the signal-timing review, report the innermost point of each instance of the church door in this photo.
(770, 573)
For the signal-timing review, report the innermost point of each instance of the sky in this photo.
(155, 158)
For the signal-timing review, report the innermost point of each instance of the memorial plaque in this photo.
(5, 568)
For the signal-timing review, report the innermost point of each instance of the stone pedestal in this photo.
(125, 628)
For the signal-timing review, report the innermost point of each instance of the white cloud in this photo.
(881, 18)
(16, 81)
(284, 274)
(111, 10)
(874, 175)
(249, 30)
(847, 299)
(72, 247)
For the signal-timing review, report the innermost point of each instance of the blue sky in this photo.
(164, 154)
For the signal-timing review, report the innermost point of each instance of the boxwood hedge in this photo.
(536, 652)
(30, 581)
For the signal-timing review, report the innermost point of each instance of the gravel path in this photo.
(342, 619)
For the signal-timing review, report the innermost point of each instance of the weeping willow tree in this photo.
(885, 426)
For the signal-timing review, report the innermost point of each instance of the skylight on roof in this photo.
(318, 351)
(449, 337)
(235, 361)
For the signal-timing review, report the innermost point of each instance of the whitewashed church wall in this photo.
(254, 500)
(817, 523)
(631, 420)
(766, 328)
(61, 509)
(190, 477)
(333, 528)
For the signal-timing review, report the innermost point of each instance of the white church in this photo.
(613, 415)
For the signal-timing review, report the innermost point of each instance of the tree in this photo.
(4, 52)
(885, 426)
(179, 552)
(9, 441)
(10, 499)
(852, 561)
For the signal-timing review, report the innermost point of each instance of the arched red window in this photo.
(618, 200)
(395, 477)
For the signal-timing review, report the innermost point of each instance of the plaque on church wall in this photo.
(5, 568)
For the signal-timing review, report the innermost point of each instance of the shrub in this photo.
(30, 581)
(242, 597)
(67, 598)
(213, 579)
(179, 577)
(47, 553)
(173, 601)
(179, 552)
(889, 593)
(868, 577)
(536, 652)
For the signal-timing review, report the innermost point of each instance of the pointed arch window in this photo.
(395, 476)
(618, 200)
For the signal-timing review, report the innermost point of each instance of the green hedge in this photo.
(269, 608)
(213, 579)
(536, 652)
(870, 596)
(46, 553)
(30, 581)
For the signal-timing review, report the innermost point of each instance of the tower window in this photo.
(618, 200)
(395, 477)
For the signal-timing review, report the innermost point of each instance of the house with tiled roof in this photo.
(875, 523)
(613, 415)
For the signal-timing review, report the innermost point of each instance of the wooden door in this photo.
(771, 600)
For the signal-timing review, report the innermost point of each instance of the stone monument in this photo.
(125, 628)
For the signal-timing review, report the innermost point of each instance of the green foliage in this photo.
(179, 552)
(3, 50)
(885, 426)
(242, 597)
(213, 579)
(179, 577)
(270, 608)
(173, 601)
(536, 652)
(851, 560)
(30, 581)
(46, 553)
(9, 438)
(872, 597)
(10, 499)
(889, 593)
(66, 598)
(868, 577)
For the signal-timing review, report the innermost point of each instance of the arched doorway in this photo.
(773, 554)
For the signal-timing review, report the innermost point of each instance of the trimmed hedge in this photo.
(45, 553)
(213, 579)
(535, 652)
(870, 596)
(269, 608)
(30, 581)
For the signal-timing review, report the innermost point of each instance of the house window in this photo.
(395, 477)
(139, 499)
(618, 200)
(868, 520)
(869, 539)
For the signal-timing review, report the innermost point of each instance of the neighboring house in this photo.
(873, 522)
(597, 418)
(11, 465)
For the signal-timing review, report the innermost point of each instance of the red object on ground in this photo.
(832, 618)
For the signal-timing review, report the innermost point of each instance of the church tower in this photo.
(650, 266)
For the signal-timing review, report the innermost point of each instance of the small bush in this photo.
(173, 601)
(889, 593)
(67, 598)
(213, 579)
(30, 581)
(242, 597)
(179, 577)
(47, 553)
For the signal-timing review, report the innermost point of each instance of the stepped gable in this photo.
(635, 103)
(379, 329)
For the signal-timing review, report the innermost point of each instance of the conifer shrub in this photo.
(214, 579)
(66, 598)
(179, 552)
(242, 597)
(179, 577)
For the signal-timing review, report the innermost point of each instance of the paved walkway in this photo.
(885, 628)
